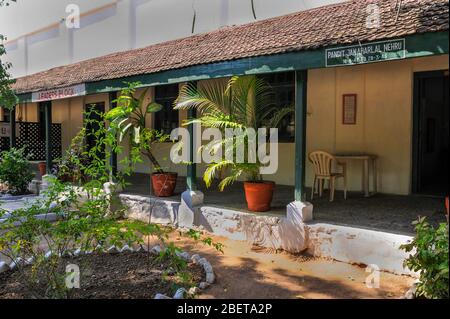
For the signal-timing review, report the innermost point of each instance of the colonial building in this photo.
(362, 81)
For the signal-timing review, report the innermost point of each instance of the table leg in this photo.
(366, 178)
(375, 175)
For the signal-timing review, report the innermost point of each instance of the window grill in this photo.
(29, 135)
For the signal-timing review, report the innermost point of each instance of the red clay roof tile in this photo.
(343, 23)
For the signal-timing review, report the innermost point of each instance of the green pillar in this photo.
(113, 155)
(191, 178)
(48, 136)
(301, 81)
(12, 124)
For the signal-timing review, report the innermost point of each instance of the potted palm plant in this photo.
(128, 119)
(240, 103)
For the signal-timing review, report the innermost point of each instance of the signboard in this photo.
(56, 94)
(5, 130)
(366, 53)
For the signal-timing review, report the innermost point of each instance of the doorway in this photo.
(431, 133)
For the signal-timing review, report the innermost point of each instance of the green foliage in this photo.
(87, 218)
(15, 170)
(7, 97)
(197, 236)
(430, 257)
(241, 104)
(128, 120)
(71, 165)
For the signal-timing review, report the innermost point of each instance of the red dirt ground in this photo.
(243, 272)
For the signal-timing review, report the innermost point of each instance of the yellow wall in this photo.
(384, 117)
(384, 121)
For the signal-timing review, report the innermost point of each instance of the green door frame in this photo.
(48, 136)
(113, 154)
(191, 176)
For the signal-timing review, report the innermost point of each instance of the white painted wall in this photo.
(123, 25)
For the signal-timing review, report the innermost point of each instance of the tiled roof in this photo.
(342, 23)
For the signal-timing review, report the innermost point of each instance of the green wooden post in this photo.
(113, 155)
(12, 124)
(191, 178)
(48, 136)
(301, 81)
(192, 167)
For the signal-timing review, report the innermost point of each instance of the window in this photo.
(283, 87)
(167, 119)
(6, 115)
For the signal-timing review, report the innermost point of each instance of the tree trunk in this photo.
(154, 161)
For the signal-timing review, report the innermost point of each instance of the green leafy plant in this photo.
(7, 97)
(15, 170)
(70, 166)
(241, 103)
(128, 119)
(86, 219)
(197, 236)
(430, 258)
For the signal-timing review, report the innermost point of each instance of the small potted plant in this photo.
(243, 102)
(128, 119)
(42, 166)
(446, 206)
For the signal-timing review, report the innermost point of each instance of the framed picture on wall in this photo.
(349, 109)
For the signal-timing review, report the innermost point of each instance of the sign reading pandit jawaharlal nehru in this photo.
(366, 53)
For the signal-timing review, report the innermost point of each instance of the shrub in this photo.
(128, 119)
(81, 223)
(15, 170)
(69, 167)
(87, 219)
(430, 258)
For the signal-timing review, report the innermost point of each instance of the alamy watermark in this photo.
(73, 17)
(373, 279)
(72, 276)
(373, 16)
(236, 145)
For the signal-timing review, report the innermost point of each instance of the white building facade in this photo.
(39, 38)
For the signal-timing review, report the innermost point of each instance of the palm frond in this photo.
(207, 98)
(212, 170)
(227, 181)
(280, 114)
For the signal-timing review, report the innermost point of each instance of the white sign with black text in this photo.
(57, 94)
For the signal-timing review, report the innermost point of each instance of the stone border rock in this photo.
(155, 250)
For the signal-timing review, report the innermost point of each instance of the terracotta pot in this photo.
(447, 206)
(163, 184)
(42, 166)
(259, 195)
